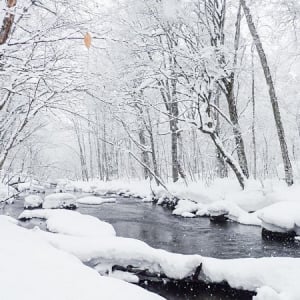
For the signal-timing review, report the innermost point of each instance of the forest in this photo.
(150, 145)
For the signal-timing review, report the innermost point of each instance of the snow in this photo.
(8, 219)
(126, 276)
(272, 278)
(186, 208)
(5, 192)
(93, 200)
(32, 269)
(70, 222)
(281, 217)
(124, 251)
(59, 200)
(33, 201)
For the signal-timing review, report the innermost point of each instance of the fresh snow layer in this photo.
(70, 222)
(33, 201)
(8, 219)
(272, 278)
(32, 269)
(93, 200)
(281, 217)
(59, 200)
(187, 208)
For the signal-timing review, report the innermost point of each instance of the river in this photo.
(156, 226)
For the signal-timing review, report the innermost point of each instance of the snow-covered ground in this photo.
(32, 269)
(272, 278)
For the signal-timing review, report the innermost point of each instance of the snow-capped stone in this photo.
(60, 200)
(94, 200)
(33, 201)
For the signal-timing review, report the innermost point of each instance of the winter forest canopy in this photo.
(170, 90)
(149, 149)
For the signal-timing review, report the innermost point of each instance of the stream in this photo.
(157, 227)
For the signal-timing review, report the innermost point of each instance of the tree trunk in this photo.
(7, 21)
(272, 93)
(144, 155)
(174, 131)
(221, 167)
(253, 117)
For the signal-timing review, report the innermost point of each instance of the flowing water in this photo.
(156, 226)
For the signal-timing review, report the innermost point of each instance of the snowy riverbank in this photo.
(222, 197)
(73, 239)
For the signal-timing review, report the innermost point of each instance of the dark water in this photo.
(156, 226)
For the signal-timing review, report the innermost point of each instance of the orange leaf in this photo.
(87, 40)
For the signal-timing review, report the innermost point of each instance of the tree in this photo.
(272, 93)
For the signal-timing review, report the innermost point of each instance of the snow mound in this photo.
(33, 201)
(93, 200)
(70, 222)
(272, 278)
(8, 219)
(124, 251)
(281, 217)
(44, 272)
(60, 200)
(233, 212)
(187, 208)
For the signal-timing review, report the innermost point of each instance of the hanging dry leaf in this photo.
(87, 40)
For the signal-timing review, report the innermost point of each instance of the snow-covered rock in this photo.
(70, 222)
(94, 200)
(230, 210)
(281, 217)
(33, 201)
(186, 206)
(60, 200)
(32, 269)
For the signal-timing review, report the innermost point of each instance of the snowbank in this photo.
(230, 210)
(256, 195)
(93, 200)
(272, 278)
(70, 222)
(33, 201)
(281, 217)
(60, 200)
(31, 269)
